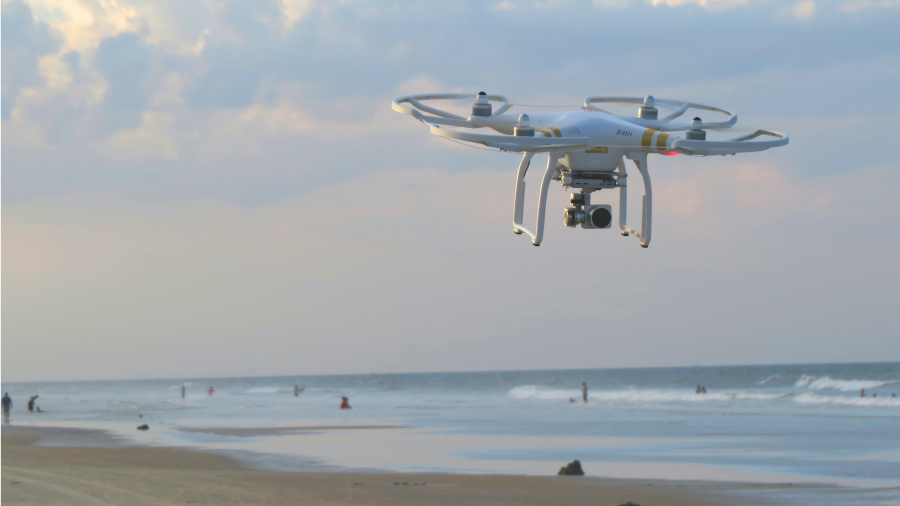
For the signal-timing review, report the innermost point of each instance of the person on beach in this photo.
(210, 391)
(182, 391)
(862, 393)
(345, 403)
(31, 403)
(296, 390)
(7, 405)
(584, 391)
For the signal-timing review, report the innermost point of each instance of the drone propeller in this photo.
(482, 114)
(649, 110)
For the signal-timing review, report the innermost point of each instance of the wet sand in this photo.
(105, 474)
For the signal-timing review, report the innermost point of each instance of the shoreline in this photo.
(37, 469)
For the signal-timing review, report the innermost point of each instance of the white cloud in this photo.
(865, 5)
(803, 10)
(712, 5)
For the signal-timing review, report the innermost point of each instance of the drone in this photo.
(587, 149)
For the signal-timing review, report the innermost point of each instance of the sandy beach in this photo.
(106, 474)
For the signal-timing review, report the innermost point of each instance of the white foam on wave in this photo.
(263, 390)
(812, 398)
(770, 378)
(635, 395)
(539, 392)
(824, 382)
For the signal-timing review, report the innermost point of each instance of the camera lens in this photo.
(573, 217)
(601, 217)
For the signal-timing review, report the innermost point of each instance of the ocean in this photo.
(763, 423)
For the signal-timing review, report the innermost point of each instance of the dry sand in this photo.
(128, 475)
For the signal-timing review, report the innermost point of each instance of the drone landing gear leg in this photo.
(520, 193)
(640, 160)
(623, 197)
(518, 227)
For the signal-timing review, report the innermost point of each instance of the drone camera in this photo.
(599, 216)
(573, 217)
(587, 215)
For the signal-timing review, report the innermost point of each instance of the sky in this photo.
(201, 188)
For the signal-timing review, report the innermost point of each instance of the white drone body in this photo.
(587, 149)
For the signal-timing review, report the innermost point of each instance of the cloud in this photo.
(243, 155)
(24, 43)
(803, 10)
(867, 5)
(712, 5)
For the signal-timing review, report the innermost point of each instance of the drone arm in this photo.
(517, 143)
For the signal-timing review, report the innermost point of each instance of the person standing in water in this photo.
(210, 391)
(31, 403)
(296, 390)
(182, 391)
(584, 390)
(7, 405)
(345, 403)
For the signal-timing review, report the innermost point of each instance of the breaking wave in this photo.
(770, 378)
(824, 382)
(263, 390)
(539, 392)
(812, 398)
(635, 395)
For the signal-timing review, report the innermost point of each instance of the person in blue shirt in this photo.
(7, 405)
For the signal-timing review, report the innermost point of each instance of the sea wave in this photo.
(539, 392)
(636, 395)
(262, 390)
(825, 382)
(770, 378)
(812, 398)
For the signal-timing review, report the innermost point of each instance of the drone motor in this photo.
(524, 127)
(648, 110)
(481, 107)
(696, 133)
